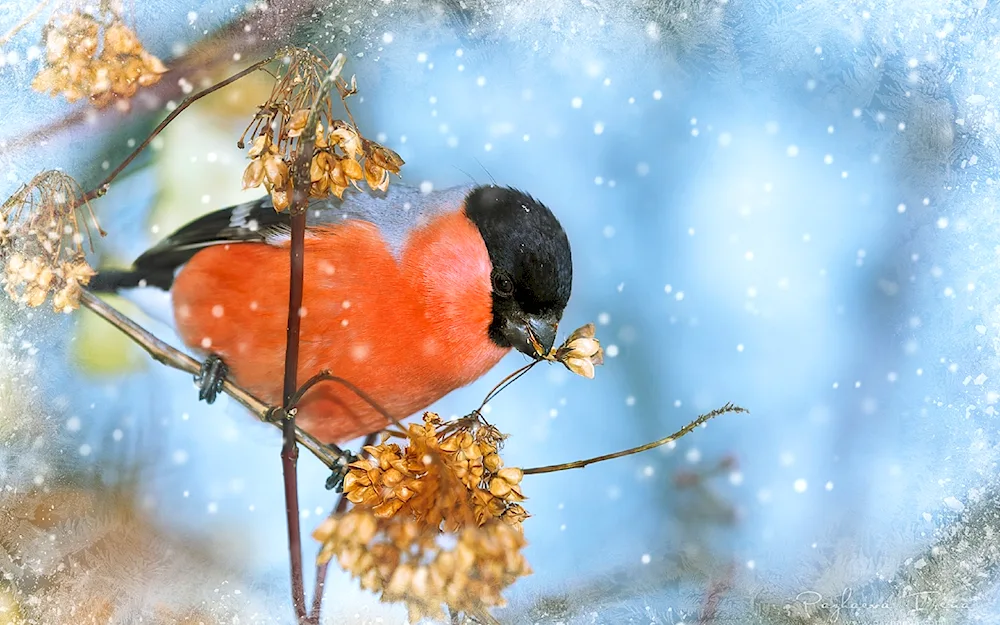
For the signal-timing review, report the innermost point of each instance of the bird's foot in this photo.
(210, 379)
(340, 470)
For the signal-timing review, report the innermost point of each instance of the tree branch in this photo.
(102, 187)
(321, 569)
(289, 450)
(254, 32)
(176, 359)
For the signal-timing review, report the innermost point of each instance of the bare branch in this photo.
(102, 187)
(172, 357)
(289, 450)
(579, 464)
(321, 569)
(327, 376)
(247, 36)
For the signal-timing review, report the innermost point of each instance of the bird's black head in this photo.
(532, 266)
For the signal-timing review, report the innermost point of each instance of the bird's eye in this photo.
(502, 284)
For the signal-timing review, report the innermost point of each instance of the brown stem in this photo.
(579, 464)
(249, 35)
(502, 384)
(322, 568)
(289, 450)
(326, 376)
(102, 187)
(174, 358)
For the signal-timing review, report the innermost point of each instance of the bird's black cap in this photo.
(532, 265)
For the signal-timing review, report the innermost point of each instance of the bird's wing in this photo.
(255, 221)
(394, 212)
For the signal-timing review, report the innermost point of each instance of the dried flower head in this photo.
(122, 67)
(580, 352)
(446, 476)
(395, 556)
(41, 242)
(437, 521)
(75, 69)
(341, 157)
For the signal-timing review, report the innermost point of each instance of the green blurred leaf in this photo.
(101, 349)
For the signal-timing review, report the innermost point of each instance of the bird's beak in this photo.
(530, 335)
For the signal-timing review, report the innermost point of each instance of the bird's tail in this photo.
(114, 280)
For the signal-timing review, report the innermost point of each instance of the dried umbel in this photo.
(445, 476)
(580, 352)
(437, 520)
(341, 157)
(466, 571)
(95, 57)
(41, 242)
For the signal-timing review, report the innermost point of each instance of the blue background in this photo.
(787, 206)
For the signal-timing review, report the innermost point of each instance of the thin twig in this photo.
(326, 376)
(504, 383)
(579, 464)
(102, 187)
(24, 22)
(289, 450)
(176, 359)
(322, 569)
(238, 38)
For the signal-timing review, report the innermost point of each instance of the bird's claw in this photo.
(211, 378)
(340, 470)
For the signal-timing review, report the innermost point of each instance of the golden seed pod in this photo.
(75, 69)
(341, 157)
(580, 352)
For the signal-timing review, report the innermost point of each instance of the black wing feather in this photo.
(250, 222)
(255, 221)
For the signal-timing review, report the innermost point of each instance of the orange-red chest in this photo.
(407, 330)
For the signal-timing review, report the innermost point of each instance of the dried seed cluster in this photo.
(341, 156)
(441, 475)
(29, 281)
(76, 69)
(405, 562)
(41, 242)
(436, 521)
(580, 352)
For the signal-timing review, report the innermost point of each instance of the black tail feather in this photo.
(113, 280)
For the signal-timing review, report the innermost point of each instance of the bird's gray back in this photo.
(396, 212)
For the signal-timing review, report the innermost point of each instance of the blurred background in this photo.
(791, 206)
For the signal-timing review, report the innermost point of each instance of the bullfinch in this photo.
(407, 295)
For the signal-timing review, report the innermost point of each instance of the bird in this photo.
(408, 295)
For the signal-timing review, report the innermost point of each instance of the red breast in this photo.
(407, 330)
